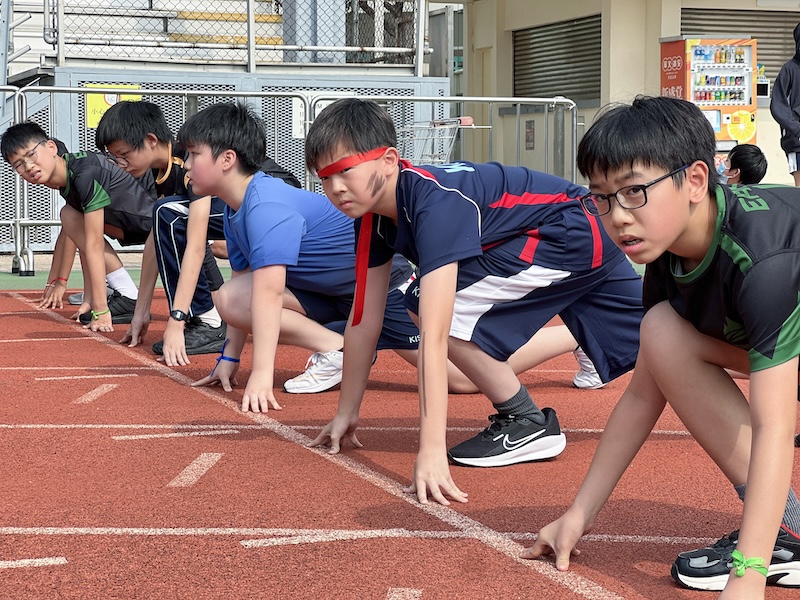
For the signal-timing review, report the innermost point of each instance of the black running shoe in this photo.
(199, 337)
(709, 568)
(510, 440)
(121, 309)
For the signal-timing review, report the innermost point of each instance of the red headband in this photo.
(365, 235)
(350, 161)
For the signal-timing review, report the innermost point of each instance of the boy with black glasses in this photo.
(721, 297)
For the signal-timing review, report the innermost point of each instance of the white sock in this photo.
(211, 318)
(121, 281)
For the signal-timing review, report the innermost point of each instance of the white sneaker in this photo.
(323, 371)
(587, 378)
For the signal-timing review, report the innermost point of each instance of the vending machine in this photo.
(719, 76)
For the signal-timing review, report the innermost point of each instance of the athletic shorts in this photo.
(500, 313)
(791, 157)
(132, 238)
(398, 333)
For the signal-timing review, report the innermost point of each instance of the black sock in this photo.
(521, 405)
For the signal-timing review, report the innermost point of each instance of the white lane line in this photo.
(55, 339)
(82, 368)
(315, 537)
(314, 428)
(285, 536)
(33, 562)
(100, 390)
(72, 377)
(155, 436)
(196, 470)
(403, 594)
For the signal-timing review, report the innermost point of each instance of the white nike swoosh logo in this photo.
(509, 444)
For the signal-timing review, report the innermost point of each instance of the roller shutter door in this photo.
(558, 59)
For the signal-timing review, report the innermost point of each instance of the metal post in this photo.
(559, 136)
(419, 52)
(251, 36)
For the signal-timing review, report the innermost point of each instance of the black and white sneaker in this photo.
(709, 568)
(121, 309)
(199, 337)
(510, 440)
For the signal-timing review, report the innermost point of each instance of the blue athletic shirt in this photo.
(278, 224)
(450, 212)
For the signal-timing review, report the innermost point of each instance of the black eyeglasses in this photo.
(629, 197)
(28, 158)
(117, 160)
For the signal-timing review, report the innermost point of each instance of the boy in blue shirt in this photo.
(721, 296)
(136, 137)
(501, 251)
(291, 254)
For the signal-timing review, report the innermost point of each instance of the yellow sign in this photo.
(98, 104)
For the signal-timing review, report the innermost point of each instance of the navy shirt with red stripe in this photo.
(451, 212)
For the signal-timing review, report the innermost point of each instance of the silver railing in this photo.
(486, 129)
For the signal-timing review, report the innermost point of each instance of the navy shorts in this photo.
(500, 313)
(398, 333)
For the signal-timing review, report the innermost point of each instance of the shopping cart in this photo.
(430, 142)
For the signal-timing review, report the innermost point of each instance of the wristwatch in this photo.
(178, 315)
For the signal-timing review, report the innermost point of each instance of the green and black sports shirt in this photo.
(746, 291)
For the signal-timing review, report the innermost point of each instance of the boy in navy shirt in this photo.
(500, 251)
(721, 295)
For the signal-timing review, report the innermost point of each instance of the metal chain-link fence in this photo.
(238, 31)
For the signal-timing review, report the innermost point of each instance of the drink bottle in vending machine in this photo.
(719, 76)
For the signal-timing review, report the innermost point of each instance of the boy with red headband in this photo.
(501, 251)
(293, 261)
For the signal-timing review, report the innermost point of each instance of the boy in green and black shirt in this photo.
(101, 199)
(721, 295)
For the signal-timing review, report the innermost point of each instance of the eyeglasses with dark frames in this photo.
(629, 197)
(28, 158)
(117, 160)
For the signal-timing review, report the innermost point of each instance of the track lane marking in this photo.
(93, 395)
(33, 562)
(287, 536)
(156, 436)
(75, 377)
(403, 594)
(198, 467)
(314, 428)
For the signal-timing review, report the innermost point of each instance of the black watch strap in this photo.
(179, 315)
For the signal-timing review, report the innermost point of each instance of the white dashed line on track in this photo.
(100, 390)
(33, 562)
(191, 474)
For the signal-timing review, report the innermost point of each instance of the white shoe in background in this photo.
(586, 378)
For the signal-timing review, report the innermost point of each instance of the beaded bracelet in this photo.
(223, 357)
(97, 315)
(740, 563)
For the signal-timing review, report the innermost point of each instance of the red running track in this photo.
(121, 481)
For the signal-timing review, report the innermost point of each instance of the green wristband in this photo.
(97, 315)
(740, 563)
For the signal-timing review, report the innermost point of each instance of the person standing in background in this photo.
(785, 107)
